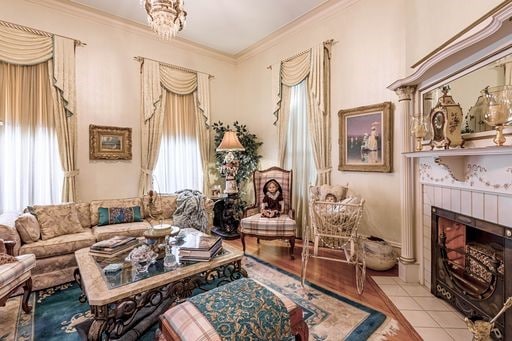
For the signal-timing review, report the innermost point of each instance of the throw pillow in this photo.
(5, 259)
(119, 215)
(57, 220)
(84, 214)
(28, 228)
(336, 192)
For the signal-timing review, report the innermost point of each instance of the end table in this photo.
(226, 218)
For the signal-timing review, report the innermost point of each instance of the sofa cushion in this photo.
(164, 202)
(60, 245)
(84, 214)
(57, 220)
(96, 204)
(127, 229)
(118, 215)
(28, 228)
(8, 229)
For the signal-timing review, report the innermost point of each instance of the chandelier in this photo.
(166, 17)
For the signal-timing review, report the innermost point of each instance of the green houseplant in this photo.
(248, 159)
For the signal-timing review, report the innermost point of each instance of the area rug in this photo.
(329, 316)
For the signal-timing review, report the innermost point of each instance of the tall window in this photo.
(30, 168)
(179, 163)
(298, 153)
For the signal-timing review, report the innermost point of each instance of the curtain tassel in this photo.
(71, 174)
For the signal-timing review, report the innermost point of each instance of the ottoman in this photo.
(241, 310)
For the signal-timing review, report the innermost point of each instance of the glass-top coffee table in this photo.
(125, 303)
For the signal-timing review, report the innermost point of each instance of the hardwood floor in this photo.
(331, 275)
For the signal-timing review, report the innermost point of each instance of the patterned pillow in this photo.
(57, 220)
(28, 228)
(119, 215)
(5, 259)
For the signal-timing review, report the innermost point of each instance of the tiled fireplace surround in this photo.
(485, 194)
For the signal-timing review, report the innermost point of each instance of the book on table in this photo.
(200, 247)
(109, 254)
(200, 256)
(114, 245)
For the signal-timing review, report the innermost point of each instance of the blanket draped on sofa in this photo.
(190, 210)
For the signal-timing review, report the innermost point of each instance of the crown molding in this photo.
(92, 14)
(321, 12)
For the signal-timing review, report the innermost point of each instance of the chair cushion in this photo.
(282, 226)
(60, 245)
(127, 229)
(57, 220)
(119, 215)
(28, 228)
(11, 271)
(96, 204)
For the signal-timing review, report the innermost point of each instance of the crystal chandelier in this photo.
(166, 17)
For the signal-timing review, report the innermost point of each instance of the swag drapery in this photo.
(24, 46)
(157, 81)
(311, 66)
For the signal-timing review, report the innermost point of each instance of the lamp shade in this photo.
(230, 143)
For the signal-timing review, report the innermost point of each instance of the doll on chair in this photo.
(272, 204)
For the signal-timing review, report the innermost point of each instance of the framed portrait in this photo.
(366, 139)
(110, 143)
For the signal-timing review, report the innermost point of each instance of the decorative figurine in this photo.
(273, 202)
(445, 121)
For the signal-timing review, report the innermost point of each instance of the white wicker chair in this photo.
(335, 225)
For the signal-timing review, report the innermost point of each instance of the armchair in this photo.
(279, 227)
(16, 274)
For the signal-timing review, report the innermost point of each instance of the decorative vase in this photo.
(498, 109)
(141, 258)
(379, 254)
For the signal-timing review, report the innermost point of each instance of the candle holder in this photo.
(419, 129)
(498, 110)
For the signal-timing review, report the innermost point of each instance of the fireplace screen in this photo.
(468, 266)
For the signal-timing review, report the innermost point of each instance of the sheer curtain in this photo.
(31, 170)
(179, 164)
(298, 152)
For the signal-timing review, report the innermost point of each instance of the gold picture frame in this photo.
(110, 143)
(365, 138)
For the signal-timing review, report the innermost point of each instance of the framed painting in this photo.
(110, 143)
(365, 140)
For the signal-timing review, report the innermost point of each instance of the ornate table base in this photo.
(129, 317)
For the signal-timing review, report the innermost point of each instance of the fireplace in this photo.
(471, 266)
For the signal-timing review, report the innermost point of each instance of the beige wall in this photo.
(368, 55)
(376, 42)
(108, 91)
(432, 22)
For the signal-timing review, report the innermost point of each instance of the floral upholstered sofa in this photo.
(54, 232)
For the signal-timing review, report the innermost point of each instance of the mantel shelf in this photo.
(493, 150)
(454, 160)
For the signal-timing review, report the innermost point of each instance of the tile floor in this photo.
(432, 318)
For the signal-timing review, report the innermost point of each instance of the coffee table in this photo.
(125, 304)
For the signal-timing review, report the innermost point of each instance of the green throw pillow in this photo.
(118, 215)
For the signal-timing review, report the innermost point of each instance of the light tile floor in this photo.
(432, 318)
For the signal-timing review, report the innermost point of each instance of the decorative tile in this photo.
(393, 290)
(455, 200)
(419, 318)
(504, 209)
(447, 319)
(477, 205)
(465, 202)
(491, 207)
(434, 334)
(446, 199)
(417, 290)
(405, 303)
(460, 334)
(432, 304)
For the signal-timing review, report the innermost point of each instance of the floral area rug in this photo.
(329, 316)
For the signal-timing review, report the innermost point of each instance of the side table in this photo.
(226, 216)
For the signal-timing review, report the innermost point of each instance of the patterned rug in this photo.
(329, 316)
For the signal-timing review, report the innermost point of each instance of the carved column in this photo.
(408, 270)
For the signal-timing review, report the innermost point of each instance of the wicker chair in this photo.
(282, 227)
(335, 225)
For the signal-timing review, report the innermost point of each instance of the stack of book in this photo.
(113, 246)
(199, 248)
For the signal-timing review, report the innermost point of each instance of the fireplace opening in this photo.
(469, 262)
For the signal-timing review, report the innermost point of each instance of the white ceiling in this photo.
(229, 26)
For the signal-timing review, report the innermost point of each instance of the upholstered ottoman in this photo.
(241, 310)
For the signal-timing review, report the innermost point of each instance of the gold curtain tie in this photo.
(71, 174)
(146, 171)
(323, 170)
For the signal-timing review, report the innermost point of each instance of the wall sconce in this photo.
(229, 168)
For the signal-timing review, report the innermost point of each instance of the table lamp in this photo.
(229, 168)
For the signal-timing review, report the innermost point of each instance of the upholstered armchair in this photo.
(14, 273)
(283, 226)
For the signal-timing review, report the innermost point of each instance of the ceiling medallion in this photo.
(165, 17)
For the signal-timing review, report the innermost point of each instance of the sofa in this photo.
(54, 232)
